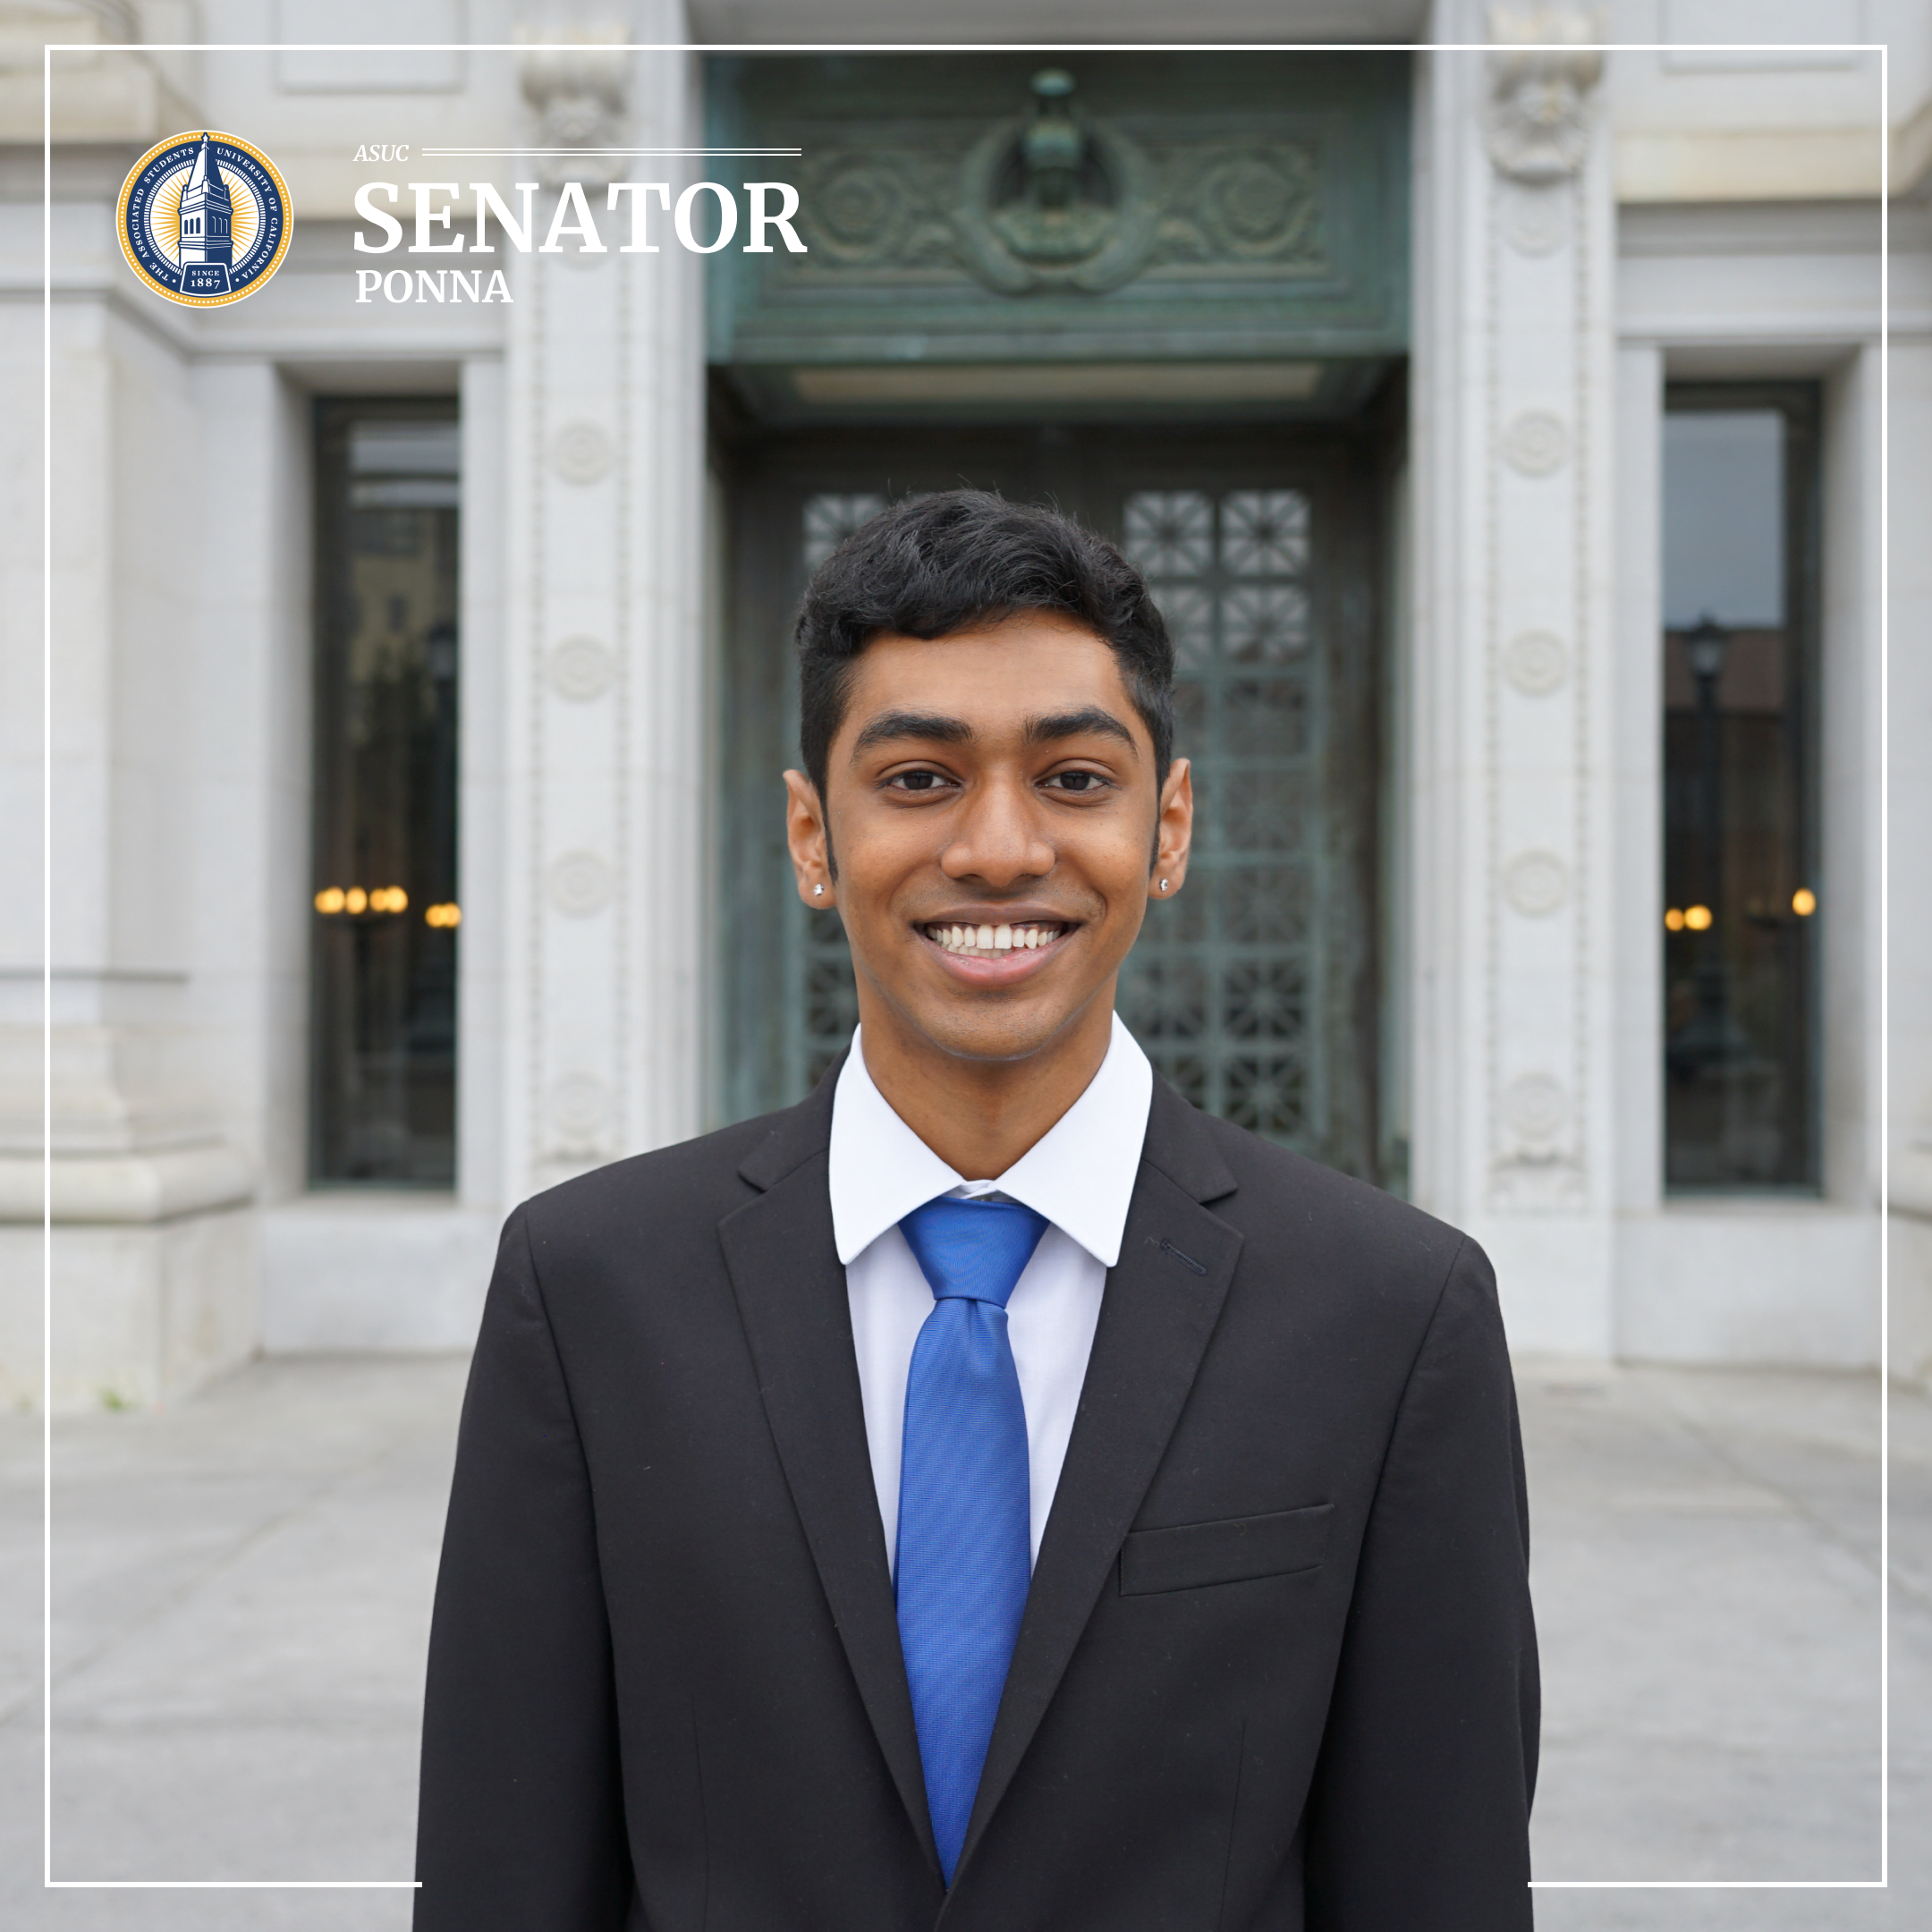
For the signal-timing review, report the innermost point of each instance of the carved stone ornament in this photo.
(580, 1107)
(1536, 215)
(581, 669)
(583, 453)
(1535, 1108)
(1542, 73)
(575, 81)
(1054, 200)
(1536, 883)
(1536, 1168)
(1536, 663)
(581, 884)
(1536, 443)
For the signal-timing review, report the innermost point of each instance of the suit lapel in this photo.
(1160, 1305)
(791, 1297)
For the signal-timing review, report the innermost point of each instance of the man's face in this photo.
(992, 806)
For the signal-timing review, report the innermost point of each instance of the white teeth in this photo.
(991, 939)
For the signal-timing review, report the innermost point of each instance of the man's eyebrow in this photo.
(890, 726)
(1079, 723)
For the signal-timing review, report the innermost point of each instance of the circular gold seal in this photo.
(204, 218)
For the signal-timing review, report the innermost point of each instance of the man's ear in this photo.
(810, 842)
(1173, 832)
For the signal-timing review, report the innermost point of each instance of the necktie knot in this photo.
(972, 1250)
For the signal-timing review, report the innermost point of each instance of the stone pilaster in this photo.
(603, 642)
(151, 1253)
(1512, 839)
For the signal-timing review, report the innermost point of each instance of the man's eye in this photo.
(1079, 782)
(916, 781)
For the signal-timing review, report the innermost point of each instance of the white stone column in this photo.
(1512, 822)
(152, 1256)
(603, 714)
(1911, 811)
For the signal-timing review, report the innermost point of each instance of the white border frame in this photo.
(952, 47)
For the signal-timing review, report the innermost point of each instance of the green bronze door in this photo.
(1256, 990)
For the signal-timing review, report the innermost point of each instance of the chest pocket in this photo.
(1234, 1550)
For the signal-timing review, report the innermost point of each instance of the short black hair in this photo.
(931, 565)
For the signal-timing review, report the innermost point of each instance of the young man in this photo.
(990, 1494)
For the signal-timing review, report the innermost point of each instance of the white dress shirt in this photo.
(1080, 1176)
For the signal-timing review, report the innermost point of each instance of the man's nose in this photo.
(999, 839)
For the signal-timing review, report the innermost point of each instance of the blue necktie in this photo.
(964, 1546)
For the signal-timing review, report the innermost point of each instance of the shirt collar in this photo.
(1080, 1173)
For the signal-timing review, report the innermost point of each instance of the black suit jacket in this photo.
(1278, 1669)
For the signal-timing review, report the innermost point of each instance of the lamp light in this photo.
(1705, 645)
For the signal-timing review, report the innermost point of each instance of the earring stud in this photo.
(1164, 885)
(818, 892)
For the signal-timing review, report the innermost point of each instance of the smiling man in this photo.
(990, 1494)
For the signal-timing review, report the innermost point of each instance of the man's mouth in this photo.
(989, 941)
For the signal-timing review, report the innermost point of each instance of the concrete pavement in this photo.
(1705, 1570)
(242, 1596)
(242, 1592)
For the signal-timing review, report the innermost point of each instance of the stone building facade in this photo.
(1436, 380)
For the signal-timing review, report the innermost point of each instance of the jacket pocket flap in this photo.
(1230, 1551)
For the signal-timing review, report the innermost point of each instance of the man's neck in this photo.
(981, 1117)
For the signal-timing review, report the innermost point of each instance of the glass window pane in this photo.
(383, 1001)
(1742, 901)
(1724, 523)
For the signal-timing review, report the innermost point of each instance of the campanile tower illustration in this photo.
(207, 227)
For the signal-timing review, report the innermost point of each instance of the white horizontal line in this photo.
(965, 47)
(94, 49)
(232, 1885)
(426, 152)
